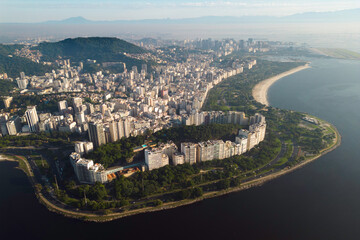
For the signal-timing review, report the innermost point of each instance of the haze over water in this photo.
(334, 35)
(318, 201)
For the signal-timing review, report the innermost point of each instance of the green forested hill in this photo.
(9, 49)
(14, 65)
(6, 86)
(78, 49)
(101, 49)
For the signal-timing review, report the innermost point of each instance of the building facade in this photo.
(96, 133)
(32, 118)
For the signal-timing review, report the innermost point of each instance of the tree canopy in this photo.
(14, 65)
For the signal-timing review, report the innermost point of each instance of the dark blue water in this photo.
(319, 201)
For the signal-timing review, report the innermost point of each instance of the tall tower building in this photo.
(62, 105)
(189, 150)
(22, 83)
(13, 125)
(114, 135)
(7, 101)
(80, 118)
(77, 102)
(144, 67)
(127, 127)
(120, 128)
(32, 118)
(96, 133)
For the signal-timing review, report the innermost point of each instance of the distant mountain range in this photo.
(311, 26)
(352, 15)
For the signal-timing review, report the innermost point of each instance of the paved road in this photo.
(294, 153)
(274, 161)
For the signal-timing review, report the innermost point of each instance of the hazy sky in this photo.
(43, 10)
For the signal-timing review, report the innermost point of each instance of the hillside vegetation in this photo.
(5, 87)
(14, 65)
(100, 49)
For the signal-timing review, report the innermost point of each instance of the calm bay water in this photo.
(319, 201)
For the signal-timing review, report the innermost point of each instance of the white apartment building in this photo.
(155, 158)
(190, 152)
(32, 118)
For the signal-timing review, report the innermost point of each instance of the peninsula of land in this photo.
(338, 53)
(261, 176)
(260, 90)
(285, 159)
(159, 137)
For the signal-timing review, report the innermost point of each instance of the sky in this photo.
(43, 10)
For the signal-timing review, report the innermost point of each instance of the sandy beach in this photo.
(260, 90)
(4, 158)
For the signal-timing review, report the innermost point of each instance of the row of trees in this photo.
(54, 138)
(120, 151)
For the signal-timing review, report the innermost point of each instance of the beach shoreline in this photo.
(263, 86)
(260, 91)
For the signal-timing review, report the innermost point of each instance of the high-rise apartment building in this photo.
(218, 149)
(178, 158)
(127, 127)
(120, 128)
(77, 102)
(32, 118)
(13, 125)
(189, 150)
(96, 133)
(7, 101)
(84, 147)
(114, 133)
(22, 83)
(86, 171)
(155, 158)
(80, 118)
(62, 105)
(22, 75)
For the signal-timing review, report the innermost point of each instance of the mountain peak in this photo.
(72, 20)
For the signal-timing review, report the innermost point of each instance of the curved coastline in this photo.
(260, 90)
(64, 210)
(59, 208)
(259, 93)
